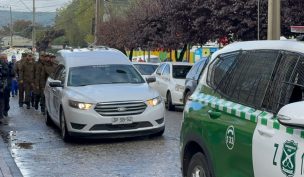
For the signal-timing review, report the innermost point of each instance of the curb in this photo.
(8, 167)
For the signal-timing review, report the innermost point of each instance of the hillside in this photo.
(44, 18)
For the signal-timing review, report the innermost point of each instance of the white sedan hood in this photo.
(111, 93)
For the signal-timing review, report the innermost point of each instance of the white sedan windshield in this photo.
(103, 74)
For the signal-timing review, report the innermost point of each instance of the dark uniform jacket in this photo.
(27, 72)
(3, 76)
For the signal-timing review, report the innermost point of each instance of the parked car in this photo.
(170, 82)
(145, 58)
(193, 78)
(246, 116)
(91, 95)
(146, 69)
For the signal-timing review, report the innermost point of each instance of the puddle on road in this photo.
(24, 145)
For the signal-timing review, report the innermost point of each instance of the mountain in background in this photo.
(44, 18)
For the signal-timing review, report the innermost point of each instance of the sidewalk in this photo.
(8, 167)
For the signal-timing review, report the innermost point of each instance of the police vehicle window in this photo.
(287, 85)
(166, 70)
(103, 74)
(219, 67)
(248, 80)
(160, 69)
(201, 68)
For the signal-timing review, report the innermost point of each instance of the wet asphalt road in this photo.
(39, 151)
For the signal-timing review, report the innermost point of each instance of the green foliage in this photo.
(76, 20)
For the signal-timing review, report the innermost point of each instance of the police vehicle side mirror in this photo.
(292, 115)
(150, 79)
(56, 83)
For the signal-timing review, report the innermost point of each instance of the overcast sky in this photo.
(27, 5)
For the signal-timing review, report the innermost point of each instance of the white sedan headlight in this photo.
(154, 102)
(80, 105)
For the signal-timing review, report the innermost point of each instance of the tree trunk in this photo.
(123, 51)
(176, 58)
(181, 56)
(131, 54)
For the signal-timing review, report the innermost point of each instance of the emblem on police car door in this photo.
(230, 137)
(288, 159)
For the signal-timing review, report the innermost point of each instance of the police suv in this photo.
(98, 93)
(246, 117)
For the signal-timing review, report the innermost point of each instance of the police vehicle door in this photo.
(278, 150)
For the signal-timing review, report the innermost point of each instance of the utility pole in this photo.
(11, 27)
(34, 28)
(258, 19)
(274, 20)
(97, 20)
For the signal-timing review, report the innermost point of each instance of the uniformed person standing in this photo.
(3, 83)
(7, 90)
(48, 70)
(27, 77)
(17, 71)
(39, 82)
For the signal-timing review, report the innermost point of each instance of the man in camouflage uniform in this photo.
(3, 82)
(18, 67)
(27, 77)
(49, 68)
(39, 82)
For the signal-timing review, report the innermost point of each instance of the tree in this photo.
(76, 20)
(51, 34)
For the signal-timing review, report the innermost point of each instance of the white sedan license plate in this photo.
(122, 120)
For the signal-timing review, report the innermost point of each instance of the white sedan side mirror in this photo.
(292, 115)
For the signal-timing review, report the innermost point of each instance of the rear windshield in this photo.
(103, 74)
(146, 69)
(180, 72)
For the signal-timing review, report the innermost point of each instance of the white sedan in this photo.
(170, 82)
(99, 93)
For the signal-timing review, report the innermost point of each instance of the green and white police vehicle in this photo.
(246, 117)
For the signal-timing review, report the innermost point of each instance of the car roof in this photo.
(145, 63)
(89, 57)
(286, 45)
(179, 63)
(146, 56)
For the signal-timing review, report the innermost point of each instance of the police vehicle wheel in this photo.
(64, 131)
(170, 105)
(198, 166)
(48, 120)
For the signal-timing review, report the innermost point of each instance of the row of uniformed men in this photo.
(32, 76)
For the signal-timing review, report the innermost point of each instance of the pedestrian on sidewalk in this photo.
(3, 82)
(14, 81)
(8, 88)
(27, 78)
(18, 67)
(39, 82)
